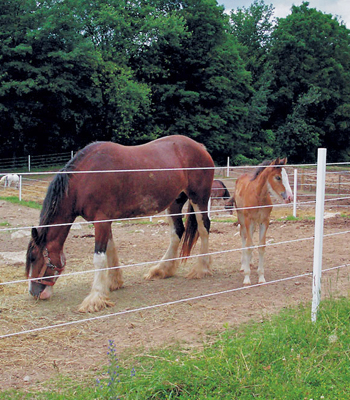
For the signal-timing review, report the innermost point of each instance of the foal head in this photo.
(278, 181)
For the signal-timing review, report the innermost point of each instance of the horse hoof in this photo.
(116, 286)
(199, 274)
(154, 274)
(96, 305)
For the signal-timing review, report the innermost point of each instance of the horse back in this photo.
(144, 179)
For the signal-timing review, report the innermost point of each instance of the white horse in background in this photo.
(8, 179)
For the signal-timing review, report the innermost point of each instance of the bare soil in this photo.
(79, 350)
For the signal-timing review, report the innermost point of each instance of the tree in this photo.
(198, 81)
(252, 28)
(310, 105)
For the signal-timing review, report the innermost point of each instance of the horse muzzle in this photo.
(40, 291)
(287, 197)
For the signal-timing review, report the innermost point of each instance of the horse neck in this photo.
(262, 182)
(57, 235)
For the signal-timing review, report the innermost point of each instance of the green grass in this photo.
(15, 200)
(285, 357)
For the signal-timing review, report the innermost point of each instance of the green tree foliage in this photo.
(252, 28)
(45, 76)
(310, 100)
(198, 81)
(248, 87)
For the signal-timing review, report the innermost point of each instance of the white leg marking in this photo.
(98, 297)
(166, 268)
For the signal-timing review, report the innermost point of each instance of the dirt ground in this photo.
(79, 350)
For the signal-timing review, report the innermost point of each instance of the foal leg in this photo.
(168, 264)
(247, 230)
(262, 245)
(98, 297)
(202, 268)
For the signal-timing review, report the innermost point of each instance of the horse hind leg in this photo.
(169, 263)
(202, 267)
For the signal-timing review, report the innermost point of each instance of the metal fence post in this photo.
(318, 242)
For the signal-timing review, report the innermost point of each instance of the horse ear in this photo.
(35, 236)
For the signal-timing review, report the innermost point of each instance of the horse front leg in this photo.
(98, 298)
(246, 231)
(115, 274)
(262, 246)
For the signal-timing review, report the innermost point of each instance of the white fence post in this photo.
(295, 193)
(29, 163)
(318, 242)
(228, 167)
(20, 188)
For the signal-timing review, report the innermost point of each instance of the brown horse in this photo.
(219, 190)
(143, 180)
(253, 203)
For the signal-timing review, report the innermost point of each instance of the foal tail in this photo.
(190, 236)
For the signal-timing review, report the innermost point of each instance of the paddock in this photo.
(80, 348)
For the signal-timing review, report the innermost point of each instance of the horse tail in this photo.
(190, 237)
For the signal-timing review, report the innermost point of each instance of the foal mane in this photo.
(264, 164)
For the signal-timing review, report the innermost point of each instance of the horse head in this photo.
(43, 266)
(278, 180)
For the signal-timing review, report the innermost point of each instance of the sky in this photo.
(339, 8)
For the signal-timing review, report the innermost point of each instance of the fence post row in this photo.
(319, 222)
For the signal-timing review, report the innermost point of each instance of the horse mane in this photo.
(57, 190)
(264, 164)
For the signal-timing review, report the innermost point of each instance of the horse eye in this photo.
(278, 178)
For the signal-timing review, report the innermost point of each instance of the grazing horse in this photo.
(219, 190)
(8, 179)
(253, 205)
(143, 180)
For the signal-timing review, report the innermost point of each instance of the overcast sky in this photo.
(340, 8)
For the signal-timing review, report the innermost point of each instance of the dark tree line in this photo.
(246, 85)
